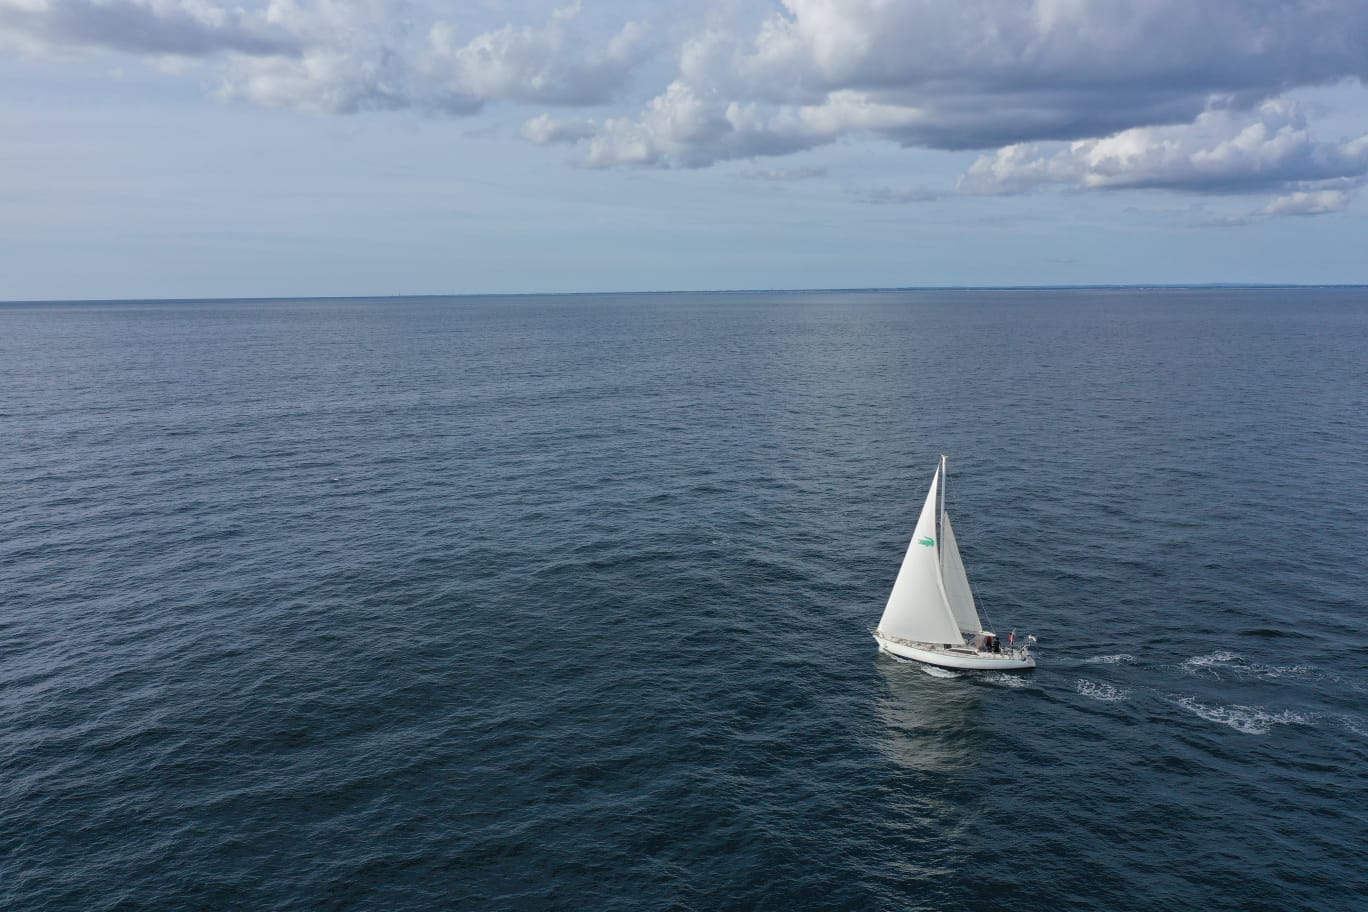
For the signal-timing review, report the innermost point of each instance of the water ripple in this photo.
(555, 603)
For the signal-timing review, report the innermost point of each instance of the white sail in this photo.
(957, 591)
(917, 608)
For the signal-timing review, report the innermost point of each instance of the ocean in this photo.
(563, 602)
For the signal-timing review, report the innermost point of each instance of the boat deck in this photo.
(955, 656)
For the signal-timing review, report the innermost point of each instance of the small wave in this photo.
(1252, 720)
(1283, 671)
(1225, 660)
(1002, 679)
(937, 672)
(1123, 658)
(1223, 657)
(1354, 726)
(1099, 691)
(1272, 633)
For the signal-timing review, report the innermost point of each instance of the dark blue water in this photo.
(563, 602)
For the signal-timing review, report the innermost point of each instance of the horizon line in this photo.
(1099, 286)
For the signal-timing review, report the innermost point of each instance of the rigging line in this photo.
(983, 607)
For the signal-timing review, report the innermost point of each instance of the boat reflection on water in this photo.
(930, 733)
(928, 716)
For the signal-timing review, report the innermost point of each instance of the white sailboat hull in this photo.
(957, 657)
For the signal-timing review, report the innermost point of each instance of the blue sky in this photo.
(196, 148)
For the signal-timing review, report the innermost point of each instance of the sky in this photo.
(199, 148)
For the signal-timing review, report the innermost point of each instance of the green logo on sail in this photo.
(927, 541)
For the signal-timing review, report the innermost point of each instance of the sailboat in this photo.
(931, 616)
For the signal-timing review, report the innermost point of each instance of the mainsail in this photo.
(957, 591)
(917, 608)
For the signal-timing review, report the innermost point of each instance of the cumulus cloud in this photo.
(974, 74)
(351, 57)
(546, 64)
(1169, 94)
(384, 54)
(683, 127)
(1222, 152)
(545, 130)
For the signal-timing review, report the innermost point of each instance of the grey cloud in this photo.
(978, 74)
(1222, 222)
(898, 195)
(783, 175)
(155, 28)
(1066, 56)
(341, 57)
(1169, 94)
(382, 54)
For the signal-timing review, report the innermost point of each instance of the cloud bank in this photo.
(1078, 94)
(155, 27)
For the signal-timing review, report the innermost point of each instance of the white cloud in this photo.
(350, 59)
(1317, 202)
(546, 64)
(683, 127)
(545, 130)
(1222, 151)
